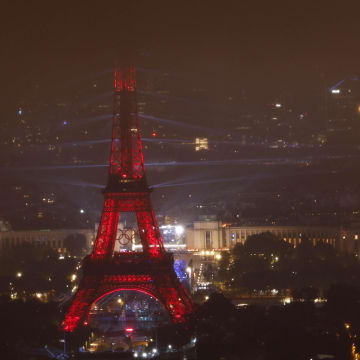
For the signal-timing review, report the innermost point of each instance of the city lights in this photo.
(201, 144)
(222, 166)
(287, 300)
(179, 229)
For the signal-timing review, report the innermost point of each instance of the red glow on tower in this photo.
(125, 79)
(126, 147)
(106, 270)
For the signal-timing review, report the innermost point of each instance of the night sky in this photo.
(266, 47)
(246, 54)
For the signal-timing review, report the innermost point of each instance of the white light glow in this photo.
(287, 300)
(179, 229)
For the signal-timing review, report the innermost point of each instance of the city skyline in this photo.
(179, 180)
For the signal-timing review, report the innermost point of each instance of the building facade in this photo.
(215, 235)
(52, 238)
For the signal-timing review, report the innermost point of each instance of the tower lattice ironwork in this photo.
(107, 270)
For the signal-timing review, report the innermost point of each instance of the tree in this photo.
(343, 301)
(223, 273)
(31, 268)
(266, 244)
(30, 323)
(76, 244)
(307, 293)
(213, 317)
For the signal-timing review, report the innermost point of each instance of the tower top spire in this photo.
(124, 78)
(126, 159)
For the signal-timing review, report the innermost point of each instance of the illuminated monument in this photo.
(107, 270)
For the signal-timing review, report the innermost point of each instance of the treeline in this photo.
(266, 262)
(27, 269)
(299, 330)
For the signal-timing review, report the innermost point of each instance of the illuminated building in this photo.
(214, 235)
(201, 144)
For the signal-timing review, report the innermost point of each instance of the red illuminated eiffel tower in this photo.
(107, 270)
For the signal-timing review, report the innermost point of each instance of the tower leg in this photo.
(106, 235)
(164, 287)
(174, 297)
(79, 308)
(149, 233)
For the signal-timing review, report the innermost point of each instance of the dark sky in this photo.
(51, 50)
(263, 46)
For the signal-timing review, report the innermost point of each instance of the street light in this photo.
(19, 274)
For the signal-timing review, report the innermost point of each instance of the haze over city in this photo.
(249, 119)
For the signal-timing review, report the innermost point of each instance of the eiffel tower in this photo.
(107, 270)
